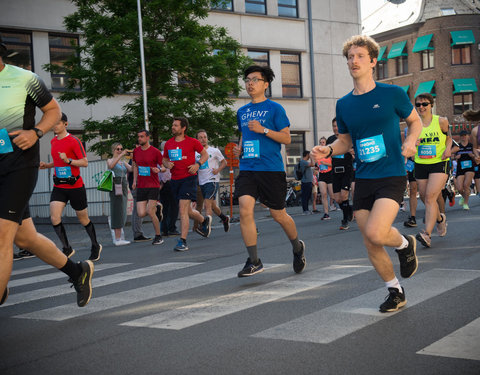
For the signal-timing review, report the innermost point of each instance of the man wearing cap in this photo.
(68, 156)
(20, 92)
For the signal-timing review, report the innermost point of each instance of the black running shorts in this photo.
(342, 179)
(367, 191)
(269, 187)
(16, 188)
(423, 170)
(147, 194)
(325, 177)
(77, 197)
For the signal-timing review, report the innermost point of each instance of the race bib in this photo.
(410, 165)
(323, 167)
(475, 168)
(427, 151)
(371, 149)
(251, 149)
(466, 164)
(63, 172)
(144, 171)
(339, 156)
(5, 143)
(175, 154)
(204, 165)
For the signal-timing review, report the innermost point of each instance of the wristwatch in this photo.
(70, 161)
(38, 132)
(265, 131)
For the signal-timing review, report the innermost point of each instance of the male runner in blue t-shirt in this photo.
(369, 119)
(265, 127)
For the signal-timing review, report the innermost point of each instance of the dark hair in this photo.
(200, 131)
(472, 115)
(64, 117)
(147, 133)
(305, 153)
(334, 120)
(3, 48)
(464, 132)
(265, 71)
(426, 96)
(183, 122)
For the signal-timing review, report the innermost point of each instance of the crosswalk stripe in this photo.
(127, 297)
(203, 311)
(31, 269)
(97, 282)
(58, 275)
(463, 343)
(329, 324)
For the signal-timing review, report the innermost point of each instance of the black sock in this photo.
(71, 269)
(222, 216)
(91, 233)
(297, 246)
(252, 253)
(441, 221)
(345, 209)
(62, 235)
(184, 240)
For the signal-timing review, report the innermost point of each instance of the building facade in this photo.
(279, 33)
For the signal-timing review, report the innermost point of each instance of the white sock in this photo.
(404, 243)
(394, 284)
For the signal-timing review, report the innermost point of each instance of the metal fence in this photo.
(98, 201)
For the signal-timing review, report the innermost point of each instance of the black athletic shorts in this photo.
(77, 197)
(16, 188)
(422, 171)
(461, 171)
(411, 176)
(147, 194)
(269, 187)
(341, 179)
(185, 188)
(477, 172)
(367, 191)
(325, 177)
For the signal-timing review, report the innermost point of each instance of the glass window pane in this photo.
(61, 48)
(287, 12)
(290, 74)
(465, 51)
(223, 5)
(19, 48)
(288, 2)
(255, 7)
(431, 63)
(291, 92)
(456, 56)
(258, 55)
(294, 151)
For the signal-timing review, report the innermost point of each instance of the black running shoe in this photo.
(408, 258)
(158, 240)
(226, 223)
(25, 254)
(251, 269)
(83, 285)
(142, 238)
(4, 296)
(394, 301)
(68, 251)
(95, 253)
(410, 223)
(299, 261)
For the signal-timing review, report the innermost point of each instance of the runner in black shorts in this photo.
(465, 167)
(264, 126)
(325, 180)
(68, 156)
(19, 157)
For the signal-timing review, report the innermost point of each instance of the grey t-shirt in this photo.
(307, 171)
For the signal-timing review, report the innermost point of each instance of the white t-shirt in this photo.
(205, 173)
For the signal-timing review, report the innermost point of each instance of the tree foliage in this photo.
(192, 68)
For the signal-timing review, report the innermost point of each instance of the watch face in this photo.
(38, 132)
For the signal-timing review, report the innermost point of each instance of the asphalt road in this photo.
(155, 311)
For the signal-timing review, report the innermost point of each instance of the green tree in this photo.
(177, 43)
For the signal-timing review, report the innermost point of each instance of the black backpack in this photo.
(298, 171)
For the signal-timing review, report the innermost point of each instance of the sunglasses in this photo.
(119, 149)
(424, 104)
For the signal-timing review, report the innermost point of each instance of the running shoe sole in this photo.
(93, 258)
(420, 239)
(86, 275)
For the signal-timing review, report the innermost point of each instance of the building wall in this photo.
(443, 71)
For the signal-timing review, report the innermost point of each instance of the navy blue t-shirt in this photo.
(261, 153)
(373, 122)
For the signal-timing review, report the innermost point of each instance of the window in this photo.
(255, 6)
(427, 59)
(287, 8)
(19, 48)
(261, 58)
(462, 102)
(291, 77)
(402, 65)
(61, 48)
(382, 70)
(222, 5)
(462, 55)
(294, 152)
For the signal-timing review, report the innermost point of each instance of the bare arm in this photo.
(341, 146)
(448, 142)
(414, 124)
(282, 136)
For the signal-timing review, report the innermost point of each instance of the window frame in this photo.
(460, 47)
(290, 167)
(384, 69)
(401, 61)
(232, 9)
(71, 48)
(257, 2)
(464, 108)
(299, 64)
(430, 58)
(283, 6)
(30, 45)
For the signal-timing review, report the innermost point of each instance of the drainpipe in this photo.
(312, 73)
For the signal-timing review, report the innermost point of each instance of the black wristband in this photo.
(331, 151)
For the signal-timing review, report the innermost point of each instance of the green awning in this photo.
(422, 43)
(425, 87)
(405, 88)
(462, 37)
(464, 85)
(397, 50)
(381, 53)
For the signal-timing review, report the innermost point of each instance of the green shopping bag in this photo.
(106, 183)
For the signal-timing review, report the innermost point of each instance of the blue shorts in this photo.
(185, 188)
(209, 190)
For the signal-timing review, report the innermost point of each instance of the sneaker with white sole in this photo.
(408, 258)
(121, 242)
(83, 284)
(299, 261)
(394, 301)
(424, 238)
(251, 269)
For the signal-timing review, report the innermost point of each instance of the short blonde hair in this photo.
(114, 146)
(362, 41)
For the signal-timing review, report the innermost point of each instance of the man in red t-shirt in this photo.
(68, 156)
(146, 165)
(179, 157)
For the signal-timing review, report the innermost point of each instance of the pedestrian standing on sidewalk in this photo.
(306, 165)
(369, 120)
(264, 126)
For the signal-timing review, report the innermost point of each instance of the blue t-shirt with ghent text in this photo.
(373, 122)
(261, 153)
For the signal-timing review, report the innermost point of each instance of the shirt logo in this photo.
(376, 106)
